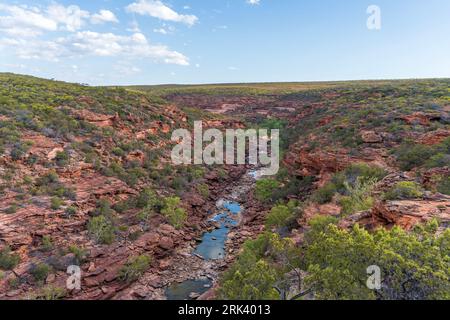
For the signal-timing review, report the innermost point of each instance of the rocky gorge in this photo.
(86, 180)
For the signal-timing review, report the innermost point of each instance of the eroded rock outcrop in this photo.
(408, 213)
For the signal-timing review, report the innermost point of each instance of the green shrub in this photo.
(117, 169)
(444, 186)
(336, 262)
(145, 214)
(101, 229)
(47, 243)
(133, 236)
(48, 178)
(14, 283)
(40, 271)
(70, 211)
(80, 253)
(118, 152)
(8, 260)
(56, 203)
(62, 158)
(259, 268)
(50, 184)
(364, 172)
(121, 206)
(325, 194)
(203, 189)
(279, 216)
(18, 151)
(404, 190)
(255, 284)
(173, 212)
(11, 209)
(144, 197)
(197, 172)
(358, 198)
(265, 188)
(51, 293)
(132, 176)
(410, 155)
(438, 160)
(345, 181)
(178, 183)
(134, 268)
(319, 224)
(148, 199)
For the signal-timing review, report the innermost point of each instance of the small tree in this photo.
(173, 212)
(279, 216)
(265, 188)
(8, 260)
(413, 265)
(404, 190)
(134, 268)
(101, 229)
(255, 284)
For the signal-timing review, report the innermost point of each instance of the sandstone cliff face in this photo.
(326, 135)
(114, 145)
(408, 213)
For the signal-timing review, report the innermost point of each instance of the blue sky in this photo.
(107, 42)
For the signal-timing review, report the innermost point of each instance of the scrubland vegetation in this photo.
(352, 154)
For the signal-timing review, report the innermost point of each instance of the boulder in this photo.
(371, 137)
(408, 213)
(166, 243)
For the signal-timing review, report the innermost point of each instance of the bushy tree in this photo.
(134, 268)
(255, 284)
(413, 265)
(404, 190)
(173, 212)
(282, 215)
(358, 196)
(357, 178)
(265, 188)
(101, 229)
(8, 260)
(259, 272)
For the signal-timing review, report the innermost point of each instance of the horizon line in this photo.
(234, 83)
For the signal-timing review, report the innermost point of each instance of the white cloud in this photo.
(20, 27)
(34, 49)
(157, 9)
(253, 2)
(104, 16)
(108, 44)
(14, 65)
(160, 30)
(89, 43)
(134, 27)
(71, 17)
(24, 21)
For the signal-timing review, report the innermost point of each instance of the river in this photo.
(212, 245)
